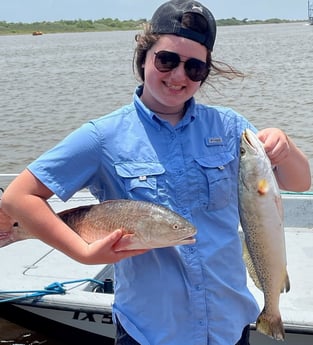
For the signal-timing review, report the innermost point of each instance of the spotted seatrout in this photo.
(261, 217)
(145, 225)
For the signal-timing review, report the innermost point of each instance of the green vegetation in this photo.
(104, 24)
(79, 25)
(246, 21)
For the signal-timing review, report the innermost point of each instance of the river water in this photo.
(52, 84)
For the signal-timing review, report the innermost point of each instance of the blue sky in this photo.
(51, 10)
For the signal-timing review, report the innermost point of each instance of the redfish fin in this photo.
(128, 242)
(270, 325)
(74, 212)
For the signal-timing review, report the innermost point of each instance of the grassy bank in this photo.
(105, 24)
(79, 25)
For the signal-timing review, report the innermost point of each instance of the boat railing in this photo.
(297, 206)
(5, 179)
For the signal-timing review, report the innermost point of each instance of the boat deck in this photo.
(31, 264)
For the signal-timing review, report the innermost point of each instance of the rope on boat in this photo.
(55, 288)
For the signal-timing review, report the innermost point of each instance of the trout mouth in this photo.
(247, 138)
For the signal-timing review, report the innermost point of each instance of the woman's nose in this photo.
(179, 72)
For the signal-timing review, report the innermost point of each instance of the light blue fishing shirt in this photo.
(192, 294)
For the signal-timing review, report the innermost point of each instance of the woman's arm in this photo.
(292, 166)
(25, 200)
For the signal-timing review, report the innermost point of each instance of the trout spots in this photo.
(261, 211)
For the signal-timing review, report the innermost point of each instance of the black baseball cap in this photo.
(167, 19)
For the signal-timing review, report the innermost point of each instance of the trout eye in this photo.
(175, 227)
(242, 151)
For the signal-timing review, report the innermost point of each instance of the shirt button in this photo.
(201, 323)
(192, 250)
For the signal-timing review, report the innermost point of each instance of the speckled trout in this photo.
(261, 217)
(145, 225)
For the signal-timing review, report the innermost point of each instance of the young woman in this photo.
(167, 149)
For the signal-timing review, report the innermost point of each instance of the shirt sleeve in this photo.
(70, 165)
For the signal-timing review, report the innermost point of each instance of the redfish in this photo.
(144, 224)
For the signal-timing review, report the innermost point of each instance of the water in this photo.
(51, 84)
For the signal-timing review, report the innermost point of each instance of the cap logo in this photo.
(198, 8)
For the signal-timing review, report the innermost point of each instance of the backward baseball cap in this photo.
(167, 19)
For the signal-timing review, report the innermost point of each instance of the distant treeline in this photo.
(105, 24)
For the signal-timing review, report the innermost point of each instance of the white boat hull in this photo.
(92, 322)
(32, 265)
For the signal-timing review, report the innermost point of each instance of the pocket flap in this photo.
(136, 169)
(216, 160)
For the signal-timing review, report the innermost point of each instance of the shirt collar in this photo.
(142, 110)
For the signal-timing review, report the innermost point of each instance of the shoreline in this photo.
(108, 24)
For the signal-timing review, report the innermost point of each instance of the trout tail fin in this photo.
(270, 325)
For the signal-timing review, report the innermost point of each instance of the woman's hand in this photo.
(292, 166)
(107, 250)
(276, 144)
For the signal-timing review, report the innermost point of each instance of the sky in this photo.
(28, 11)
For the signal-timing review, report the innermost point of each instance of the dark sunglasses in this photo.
(196, 70)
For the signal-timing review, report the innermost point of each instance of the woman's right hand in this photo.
(105, 250)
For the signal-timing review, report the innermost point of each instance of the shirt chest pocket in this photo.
(215, 186)
(140, 180)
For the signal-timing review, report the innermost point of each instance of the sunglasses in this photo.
(196, 70)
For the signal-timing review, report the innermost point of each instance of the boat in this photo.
(37, 33)
(80, 296)
(310, 12)
(39, 280)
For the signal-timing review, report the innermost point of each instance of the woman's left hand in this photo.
(276, 144)
(293, 169)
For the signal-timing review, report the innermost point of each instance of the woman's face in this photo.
(168, 91)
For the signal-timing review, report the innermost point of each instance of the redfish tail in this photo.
(16, 233)
(270, 325)
(6, 238)
(5, 235)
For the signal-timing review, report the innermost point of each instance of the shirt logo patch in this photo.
(214, 141)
